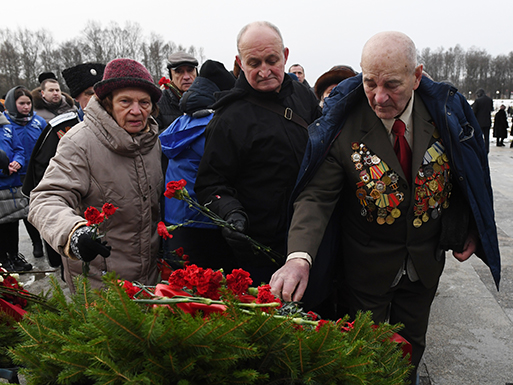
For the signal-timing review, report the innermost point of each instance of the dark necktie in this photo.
(401, 148)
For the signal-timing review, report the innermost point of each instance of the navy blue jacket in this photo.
(460, 133)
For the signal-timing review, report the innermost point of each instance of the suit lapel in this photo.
(376, 138)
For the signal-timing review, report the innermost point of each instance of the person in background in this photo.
(28, 126)
(253, 152)
(112, 157)
(182, 72)
(328, 80)
(80, 80)
(299, 71)
(500, 126)
(409, 180)
(483, 107)
(183, 144)
(13, 206)
(49, 100)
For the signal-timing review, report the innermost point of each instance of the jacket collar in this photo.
(242, 88)
(111, 135)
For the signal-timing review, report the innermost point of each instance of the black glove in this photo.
(4, 162)
(85, 247)
(236, 238)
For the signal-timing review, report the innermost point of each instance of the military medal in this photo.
(378, 192)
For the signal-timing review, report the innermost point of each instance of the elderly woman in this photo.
(329, 80)
(113, 156)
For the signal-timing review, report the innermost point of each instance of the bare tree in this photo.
(70, 53)
(10, 61)
(499, 72)
(477, 64)
(155, 54)
(93, 42)
(30, 50)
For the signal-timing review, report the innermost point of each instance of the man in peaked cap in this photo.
(80, 80)
(182, 71)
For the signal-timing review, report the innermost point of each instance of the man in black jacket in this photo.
(483, 107)
(254, 148)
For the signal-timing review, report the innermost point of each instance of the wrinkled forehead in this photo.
(259, 38)
(389, 52)
(389, 65)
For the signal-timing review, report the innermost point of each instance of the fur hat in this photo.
(218, 74)
(181, 58)
(81, 77)
(123, 73)
(46, 75)
(334, 76)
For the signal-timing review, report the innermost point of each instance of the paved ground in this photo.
(470, 338)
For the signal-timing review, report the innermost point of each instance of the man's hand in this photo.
(236, 238)
(469, 248)
(289, 283)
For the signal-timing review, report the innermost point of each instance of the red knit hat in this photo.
(124, 73)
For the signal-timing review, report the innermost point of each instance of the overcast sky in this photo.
(319, 33)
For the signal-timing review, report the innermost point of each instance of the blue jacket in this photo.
(183, 143)
(460, 134)
(10, 143)
(28, 135)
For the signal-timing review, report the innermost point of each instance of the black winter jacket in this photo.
(252, 158)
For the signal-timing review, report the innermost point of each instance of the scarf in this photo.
(12, 110)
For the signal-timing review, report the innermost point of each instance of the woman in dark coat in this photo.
(500, 126)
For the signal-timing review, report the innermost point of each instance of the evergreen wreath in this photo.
(106, 337)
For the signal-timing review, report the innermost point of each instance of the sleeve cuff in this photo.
(67, 248)
(301, 255)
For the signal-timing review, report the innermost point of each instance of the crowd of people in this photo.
(359, 184)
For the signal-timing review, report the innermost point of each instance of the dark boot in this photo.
(19, 262)
(37, 244)
(5, 262)
(54, 258)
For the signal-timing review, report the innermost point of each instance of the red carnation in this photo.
(238, 281)
(174, 186)
(162, 231)
(164, 81)
(265, 296)
(178, 279)
(209, 284)
(313, 316)
(320, 324)
(11, 282)
(108, 209)
(179, 252)
(347, 326)
(130, 289)
(93, 216)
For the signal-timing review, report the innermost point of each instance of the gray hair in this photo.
(261, 24)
